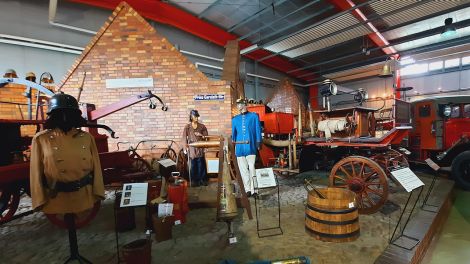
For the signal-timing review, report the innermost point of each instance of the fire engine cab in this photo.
(442, 132)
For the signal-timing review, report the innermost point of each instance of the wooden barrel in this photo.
(333, 219)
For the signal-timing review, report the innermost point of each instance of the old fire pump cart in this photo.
(363, 156)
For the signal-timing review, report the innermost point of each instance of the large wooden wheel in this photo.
(140, 164)
(391, 160)
(365, 178)
(81, 219)
(9, 201)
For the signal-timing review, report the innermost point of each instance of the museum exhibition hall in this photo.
(235, 131)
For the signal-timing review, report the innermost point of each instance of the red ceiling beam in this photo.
(167, 14)
(375, 36)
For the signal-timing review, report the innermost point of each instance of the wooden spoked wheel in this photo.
(391, 160)
(9, 201)
(365, 178)
(169, 154)
(140, 164)
(81, 219)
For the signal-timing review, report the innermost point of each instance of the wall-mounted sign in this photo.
(129, 83)
(213, 97)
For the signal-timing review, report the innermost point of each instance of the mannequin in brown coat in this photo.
(65, 174)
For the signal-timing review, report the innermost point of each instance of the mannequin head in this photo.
(194, 116)
(63, 113)
(241, 106)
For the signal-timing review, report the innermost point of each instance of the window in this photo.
(455, 111)
(414, 69)
(466, 60)
(466, 110)
(434, 66)
(452, 63)
(424, 110)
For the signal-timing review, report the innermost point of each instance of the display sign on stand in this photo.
(134, 194)
(410, 182)
(266, 179)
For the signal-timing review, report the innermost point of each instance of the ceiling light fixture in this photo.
(449, 29)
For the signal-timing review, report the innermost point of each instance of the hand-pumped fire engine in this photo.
(119, 166)
(363, 159)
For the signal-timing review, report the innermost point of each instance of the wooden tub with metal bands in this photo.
(334, 218)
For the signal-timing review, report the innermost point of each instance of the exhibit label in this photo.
(407, 179)
(134, 194)
(209, 97)
(129, 83)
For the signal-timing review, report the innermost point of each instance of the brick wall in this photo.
(128, 47)
(286, 100)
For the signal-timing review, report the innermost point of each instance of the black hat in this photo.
(62, 101)
(194, 112)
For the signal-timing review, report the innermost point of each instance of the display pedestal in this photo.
(410, 182)
(402, 240)
(74, 255)
(277, 228)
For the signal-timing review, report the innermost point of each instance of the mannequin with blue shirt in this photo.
(246, 132)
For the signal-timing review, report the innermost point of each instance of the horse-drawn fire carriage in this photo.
(118, 166)
(363, 158)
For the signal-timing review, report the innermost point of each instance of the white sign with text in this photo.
(134, 194)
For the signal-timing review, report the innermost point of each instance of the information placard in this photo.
(134, 194)
(165, 209)
(265, 178)
(212, 165)
(432, 164)
(407, 179)
(167, 162)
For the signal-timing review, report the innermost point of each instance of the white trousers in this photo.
(246, 164)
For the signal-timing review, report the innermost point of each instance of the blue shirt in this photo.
(246, 127)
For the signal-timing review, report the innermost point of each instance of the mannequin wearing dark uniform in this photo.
(193, 132)
(65, 173)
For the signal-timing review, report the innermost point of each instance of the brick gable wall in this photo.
(286, 100)
(128, 47)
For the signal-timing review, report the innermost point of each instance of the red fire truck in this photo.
(441, 131)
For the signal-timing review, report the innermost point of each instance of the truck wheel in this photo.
(461, 170)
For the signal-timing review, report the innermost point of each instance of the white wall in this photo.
(451, 83)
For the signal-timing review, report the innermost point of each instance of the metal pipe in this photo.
(255, 15)
(201, 56)
(277, 20)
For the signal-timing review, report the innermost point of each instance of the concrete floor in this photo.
(453, 244)
(33, 239)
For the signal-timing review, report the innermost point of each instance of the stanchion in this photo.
(74, 255)
(435, 208)
(415, 240)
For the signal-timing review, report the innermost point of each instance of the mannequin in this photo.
(193, 132)
(65, 173)
(246, 132)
